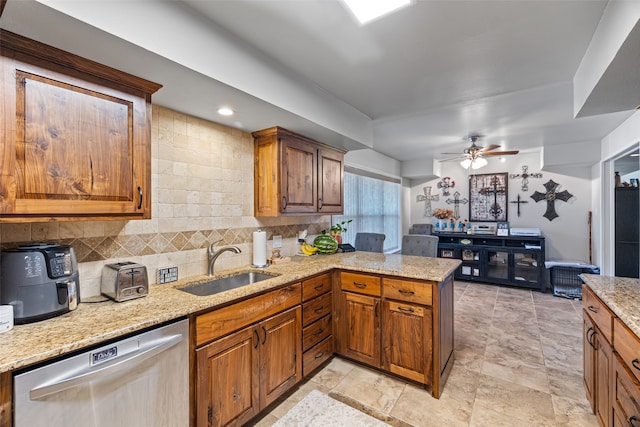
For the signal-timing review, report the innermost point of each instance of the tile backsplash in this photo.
(202, 191)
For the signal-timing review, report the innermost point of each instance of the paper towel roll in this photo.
(259, 248)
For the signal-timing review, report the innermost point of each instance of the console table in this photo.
(508, 260)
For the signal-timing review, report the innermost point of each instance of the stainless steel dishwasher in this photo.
(140, 381)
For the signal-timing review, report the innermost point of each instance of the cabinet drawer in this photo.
(360, 283)
(626, 394)
(600, 313)
(316, 286)
(314, 357)
(627, 344)
(315, 309)
(406, 290)
(220, 322)
(316, 332)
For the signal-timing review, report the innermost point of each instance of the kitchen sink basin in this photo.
(226, 283)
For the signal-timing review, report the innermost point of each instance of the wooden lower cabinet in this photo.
(404, 327)
(240, 374)
(407, 347)
(604, 366)
(589, 360)
(362, 328)
(626, 395)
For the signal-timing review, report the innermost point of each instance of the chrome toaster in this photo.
(123, 281)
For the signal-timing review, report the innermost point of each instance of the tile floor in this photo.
(518, 363)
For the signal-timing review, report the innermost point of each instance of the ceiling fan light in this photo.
(479, 163)
(465, 163)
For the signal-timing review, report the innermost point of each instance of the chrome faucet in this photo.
(213, 256)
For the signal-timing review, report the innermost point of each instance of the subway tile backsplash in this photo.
(202, 191)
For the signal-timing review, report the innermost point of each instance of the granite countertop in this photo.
(93, 323)
(620, 294)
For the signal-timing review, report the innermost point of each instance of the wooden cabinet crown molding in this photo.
(71, 63)
(75, 136)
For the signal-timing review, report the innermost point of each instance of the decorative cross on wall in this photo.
(456, 202)
(519, 202)
(427, 198)
(446, 184)
(494, 190)
(551, 196)
(525, 175)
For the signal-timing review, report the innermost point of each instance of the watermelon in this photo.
(325, 244)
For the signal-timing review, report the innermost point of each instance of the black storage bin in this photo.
(566, 282)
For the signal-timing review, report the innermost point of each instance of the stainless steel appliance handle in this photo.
(159, 346)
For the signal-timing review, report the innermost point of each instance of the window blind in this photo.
(372, 201)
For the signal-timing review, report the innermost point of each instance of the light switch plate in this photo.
(277, 241)
(167, 274)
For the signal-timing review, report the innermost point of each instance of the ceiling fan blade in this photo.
(501, 153)
(489, 148)
(457, 154)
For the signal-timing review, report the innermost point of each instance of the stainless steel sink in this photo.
(226, 283)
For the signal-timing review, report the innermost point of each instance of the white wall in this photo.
(566, 236)
(622, 139)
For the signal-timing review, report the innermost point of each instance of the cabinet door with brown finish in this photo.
(298, 176)
(227, 385)
(79, 145)
(407, 340)
(330, 181)
(589, 359)
(280, 354)
(604, 366)
(362, 323)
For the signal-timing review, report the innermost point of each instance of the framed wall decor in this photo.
(488, 197)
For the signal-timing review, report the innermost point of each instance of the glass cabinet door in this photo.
(525, 267)
(497, 264)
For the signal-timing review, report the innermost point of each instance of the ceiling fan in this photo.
(473, 156)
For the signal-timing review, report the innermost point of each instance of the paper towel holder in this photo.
(262, 261)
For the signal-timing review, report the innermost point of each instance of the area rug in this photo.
(317, 409)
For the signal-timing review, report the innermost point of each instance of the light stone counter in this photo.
(93, 323)
(621, 295)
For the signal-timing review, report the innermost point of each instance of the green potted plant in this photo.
(336, 230)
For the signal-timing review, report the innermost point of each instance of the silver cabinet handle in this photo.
(57, 386)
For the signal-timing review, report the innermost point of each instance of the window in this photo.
(372, 201)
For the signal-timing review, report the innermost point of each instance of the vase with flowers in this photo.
(443, 216)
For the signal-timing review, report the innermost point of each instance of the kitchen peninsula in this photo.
(92, 324)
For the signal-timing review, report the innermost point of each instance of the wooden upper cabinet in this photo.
(76, 136)
(296, 175)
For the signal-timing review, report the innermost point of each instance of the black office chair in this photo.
(370, 242)
(419, 244)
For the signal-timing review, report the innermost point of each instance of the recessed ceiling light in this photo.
(225, 111)
(368, 10)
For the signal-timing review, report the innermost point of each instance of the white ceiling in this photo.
(423, 78)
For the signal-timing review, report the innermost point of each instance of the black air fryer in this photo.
(40, 281)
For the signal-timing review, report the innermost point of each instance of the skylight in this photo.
(368, 10)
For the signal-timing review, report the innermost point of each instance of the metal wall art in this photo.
(519, 202)
(427, 198)
(456, 201)
(488, 197)
(551, 196)
(525, 175)
(446, 184)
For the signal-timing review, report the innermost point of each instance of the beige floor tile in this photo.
(331, 375)
(514, 400)
(484, 416)
(570, 413)
(371, 388)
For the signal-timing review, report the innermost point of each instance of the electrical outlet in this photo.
(277, 241)
(167, 274)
